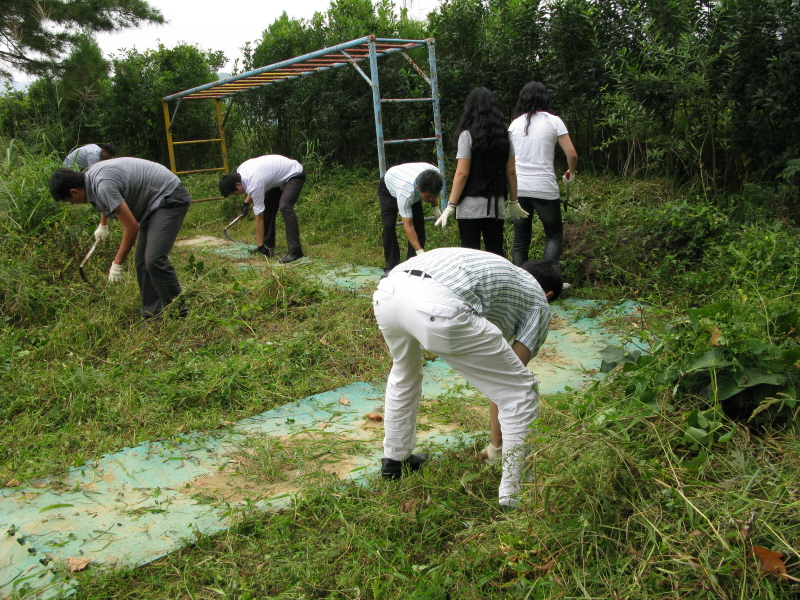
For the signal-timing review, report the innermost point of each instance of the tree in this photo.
(35, 34)
(132, 116)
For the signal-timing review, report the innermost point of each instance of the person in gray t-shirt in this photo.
(150, 202)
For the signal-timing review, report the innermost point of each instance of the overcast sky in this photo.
(222, 24)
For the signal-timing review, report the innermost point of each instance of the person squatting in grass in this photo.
(534, 133)
(403, 189)
(150, 203)
(85, 156)
(272, 183)
(463, 304)
(485, 175)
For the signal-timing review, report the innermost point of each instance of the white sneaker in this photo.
(565, 286)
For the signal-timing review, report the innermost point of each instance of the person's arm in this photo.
(522, 352)
(460, 179)
(104, 220)
(511, 174)
(130, 229)
(569, 150)
(411, 233)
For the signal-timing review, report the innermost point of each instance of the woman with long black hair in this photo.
(535, 132)
(485, 175)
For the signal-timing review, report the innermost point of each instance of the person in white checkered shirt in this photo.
(402, 190)
(486, 318)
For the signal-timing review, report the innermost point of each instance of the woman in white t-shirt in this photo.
(485, 175)
(534, 134)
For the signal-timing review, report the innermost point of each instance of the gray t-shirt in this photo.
(83, 157)
(474, 207)
(141, 184)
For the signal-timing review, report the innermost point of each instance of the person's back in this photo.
(84, 157)
(142, 184)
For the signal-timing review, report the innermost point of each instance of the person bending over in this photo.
(485, 318)
(150, 203)
(403, 189)
(272, 183)
(85, 156)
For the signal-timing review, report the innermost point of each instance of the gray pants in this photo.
(158, 282)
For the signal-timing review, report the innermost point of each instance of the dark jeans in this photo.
(471, 230)
(284, 200)
(391, 247)
(549, 212)
(158, 282)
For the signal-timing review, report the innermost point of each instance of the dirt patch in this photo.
(230, 486)
(202, 240)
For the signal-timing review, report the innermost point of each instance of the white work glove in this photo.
(100, 233)
(420, 252)
(442, 220)
(116, 274)
(569, 178)
(517, 210)
(437, 212)
(492, 455)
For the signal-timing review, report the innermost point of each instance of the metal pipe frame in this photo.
(334, 57)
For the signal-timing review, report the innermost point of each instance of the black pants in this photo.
(470, 232)
(158, 282)
(389, 212)
(284, 200)
(549, 212)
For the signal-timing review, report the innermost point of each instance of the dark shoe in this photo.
(266, 251)
(393, 469)
(291, 257)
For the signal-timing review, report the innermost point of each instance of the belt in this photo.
(416, 273)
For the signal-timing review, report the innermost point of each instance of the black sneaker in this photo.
(265, 250)
(393, 469)
(291, 257)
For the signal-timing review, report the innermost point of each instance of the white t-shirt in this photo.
(400, 181)
(83, 157)
(535, 152)
(264, 173)
(474, 207)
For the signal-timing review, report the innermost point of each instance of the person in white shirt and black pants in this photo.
(272, 183)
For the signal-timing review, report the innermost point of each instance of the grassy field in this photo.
(656, 483)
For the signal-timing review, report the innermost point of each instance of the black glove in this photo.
(245, 208)
(262, 250)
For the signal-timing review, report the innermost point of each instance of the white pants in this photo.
(415, 313)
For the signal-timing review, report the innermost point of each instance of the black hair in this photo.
(484, 121)
(227, 185)
(110, 149)
(430, 181)
(63, 180)
(533, 98)
(547, 273)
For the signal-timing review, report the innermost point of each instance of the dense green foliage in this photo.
(703, 93)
